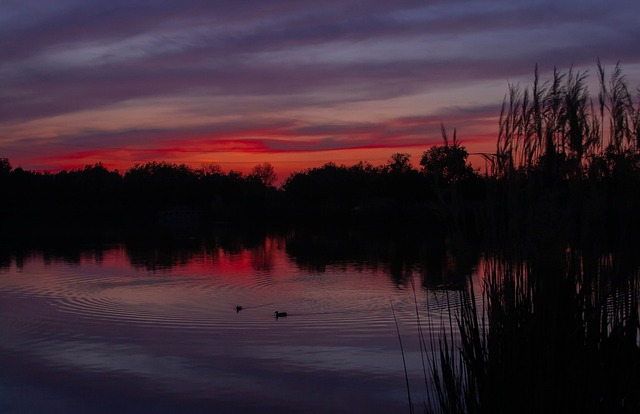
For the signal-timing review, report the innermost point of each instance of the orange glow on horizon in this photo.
(242, 155)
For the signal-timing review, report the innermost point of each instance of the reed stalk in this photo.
(558, 327)
(557, 333)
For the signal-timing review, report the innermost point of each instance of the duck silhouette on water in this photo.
(238, 309)
(280, 314)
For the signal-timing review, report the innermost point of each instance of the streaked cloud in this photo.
(191, 81)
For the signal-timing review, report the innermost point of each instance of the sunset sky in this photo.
(295, 83)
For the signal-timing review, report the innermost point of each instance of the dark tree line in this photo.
(558, 150)
(154, 190)
(143, 193)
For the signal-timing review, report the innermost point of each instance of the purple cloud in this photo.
(275, 64)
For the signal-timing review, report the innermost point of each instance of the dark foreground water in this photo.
(143, 329)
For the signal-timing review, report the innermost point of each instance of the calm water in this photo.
(155, 329)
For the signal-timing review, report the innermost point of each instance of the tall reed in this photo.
(555, 333)
(555, 125)
(556, 326)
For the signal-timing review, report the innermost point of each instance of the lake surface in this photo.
(146, 327)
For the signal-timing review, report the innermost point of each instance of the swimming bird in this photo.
(238, 309)
(280, 314)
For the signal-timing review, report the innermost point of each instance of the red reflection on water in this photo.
(246, 261)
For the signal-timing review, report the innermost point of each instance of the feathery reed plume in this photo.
(558, 327)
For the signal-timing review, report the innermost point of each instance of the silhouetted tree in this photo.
(5, 166)
(447, 164)
(210, 168)
(264, 173)
(400, 163)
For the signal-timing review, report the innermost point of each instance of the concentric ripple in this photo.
(209, 327)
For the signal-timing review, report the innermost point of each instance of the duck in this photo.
(280, 314)
(238, 309)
